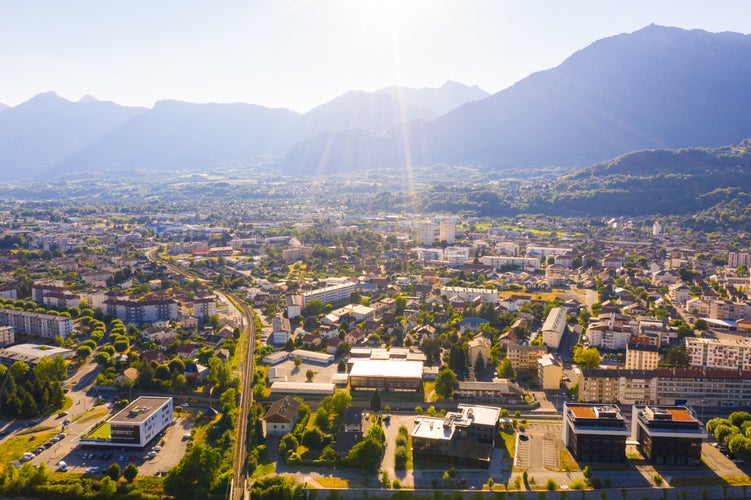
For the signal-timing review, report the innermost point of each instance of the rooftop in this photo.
(387, 368)
(139, 410)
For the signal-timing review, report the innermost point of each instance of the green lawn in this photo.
(101, 432)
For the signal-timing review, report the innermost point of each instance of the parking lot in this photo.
(166, 449)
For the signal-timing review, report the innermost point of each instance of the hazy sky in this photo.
(299, 54)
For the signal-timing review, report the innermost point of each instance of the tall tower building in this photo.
(447, 231)
(425, 233)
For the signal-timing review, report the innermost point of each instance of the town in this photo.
(343, 353)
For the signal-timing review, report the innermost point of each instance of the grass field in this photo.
(332, 482)
(14, 448)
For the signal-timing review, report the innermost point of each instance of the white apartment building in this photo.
(610, 331)
(719, 354)
(330, 294)
(554, 326)
(498, 261)
(470, 294)
(447, 231)
(43, 325)
(539, 251)
(425, 233)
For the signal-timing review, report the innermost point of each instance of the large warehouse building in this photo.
(386, 375)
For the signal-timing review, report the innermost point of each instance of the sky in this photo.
(302, 53)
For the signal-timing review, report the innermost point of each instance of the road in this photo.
(248, 331)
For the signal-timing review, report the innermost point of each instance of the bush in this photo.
(551, 485)
(577, 484)
(400, 458)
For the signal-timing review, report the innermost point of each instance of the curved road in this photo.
(239, 488)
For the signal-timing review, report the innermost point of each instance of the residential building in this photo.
(330, 294)
(736, 259)
(504, 261)
(139, 422)
(469, 294)
(725, 309)
(724, 354)
(447, 231)
(204, 307)
(281, 330)
(595, 433)
(479, 347)
(610, 331)
(549, 372)
(294, 306)
(465, 437)
(7, 336)
(554, 326)
(524, 357)
(425, 233)
(500, 390)
(668, 435)
(642, 352)
(141, 311)
(40, 324)
(281, 417)
(599, 385)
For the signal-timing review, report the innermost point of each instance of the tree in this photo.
(113, 471)
(677, 356)
(375, 401)
(83, 351)
(701, 325)
(587, 358)
(446, 382)
(506, 370)
(314, 307)
(297, 361)
(107, 487)
(310, 374)
(130, 472)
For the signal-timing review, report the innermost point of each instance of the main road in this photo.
(248, 331)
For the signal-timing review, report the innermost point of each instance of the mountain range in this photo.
(658, 87)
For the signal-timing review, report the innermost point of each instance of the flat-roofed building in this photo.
(554, 326)
(386, 375)
(667, 435)
(33, 323)
(642, 352)
(330, 294)
(300, 388)
(524, 357)
(724, 354)
(595, 433)
(139, 422)
(500, 390)
(469, 294)
(463, 437)
(313, 356)
(32, 353)
(7, 336)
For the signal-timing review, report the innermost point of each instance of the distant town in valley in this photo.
(377, 351)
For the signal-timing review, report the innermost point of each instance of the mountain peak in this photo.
(88, 99)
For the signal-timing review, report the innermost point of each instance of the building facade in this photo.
(554, 326)
(139, 422)
(595, 433)
(667, 435)
(40, 324)
(464, 437)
